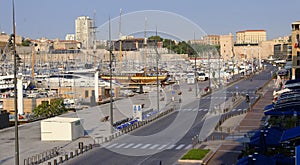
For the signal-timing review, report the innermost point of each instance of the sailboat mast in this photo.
(145, 47)
(120, 41)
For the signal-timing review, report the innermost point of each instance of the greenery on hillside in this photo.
(183, 47)
(25, 42)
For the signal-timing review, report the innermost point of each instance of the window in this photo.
(298, 62)
(298, 53)
(86, 94)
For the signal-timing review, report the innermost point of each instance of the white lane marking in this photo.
(239, 109)
(171, 146)
(179, 147)
(154, 146)
(145, 146)
(233, 110)
(129, 145)
(121, 145)
(205, 110)
(136, 146)
(161, 147)
(111, 146)
(188, 147)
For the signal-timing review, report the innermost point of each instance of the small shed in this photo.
(61, 129)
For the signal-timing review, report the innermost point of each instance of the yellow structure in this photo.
(226, 46)
(250, 36)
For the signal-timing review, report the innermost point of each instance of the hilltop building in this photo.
(250, 36)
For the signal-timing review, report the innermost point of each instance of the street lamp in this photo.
(13, 37)
(110, 82)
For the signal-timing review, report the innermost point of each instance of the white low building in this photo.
(61, 129)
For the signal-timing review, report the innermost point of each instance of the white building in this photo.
(84, 29)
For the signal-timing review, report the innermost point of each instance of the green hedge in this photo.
(195, 154)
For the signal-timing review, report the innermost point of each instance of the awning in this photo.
(290, 134)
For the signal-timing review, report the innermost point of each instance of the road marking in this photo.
(145, 146)
(233, 110)
(136, 146)
(205, 110)
(239, 109)
(129, 145)
(154, 146)
(188, 147)
(171, 146)
(196, 109)
(179, 147)
(200, 109)
(161, 147)
(121, 145)
(110, 146)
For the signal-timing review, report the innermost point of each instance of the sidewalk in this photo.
(227, 151)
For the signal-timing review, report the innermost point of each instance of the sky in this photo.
(183, 19)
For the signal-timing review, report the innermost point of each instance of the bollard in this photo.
(80, 145)
(25, 162)
(86, 148)
(66, 157)
(76, 152)
(71, 155)
(55, 162)
(212, 138)
(49, 163)
(90, 146)
(61, 159)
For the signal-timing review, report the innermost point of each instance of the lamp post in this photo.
(15, 87)
(110, 82)
(195, 75)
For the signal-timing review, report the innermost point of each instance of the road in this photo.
(167, 139)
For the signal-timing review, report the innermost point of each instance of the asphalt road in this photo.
(167, 139)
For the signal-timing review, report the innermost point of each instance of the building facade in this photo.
(212, 39)
(296, 50)
(226, 46)
(250, 36)
(84, 31)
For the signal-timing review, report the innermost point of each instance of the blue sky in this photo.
(56, 18)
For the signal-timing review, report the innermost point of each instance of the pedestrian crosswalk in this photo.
(193, 110)
(222, 98)
(205, 110)
(148, 146)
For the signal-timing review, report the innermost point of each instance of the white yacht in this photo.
(69, 80)
(7, 82)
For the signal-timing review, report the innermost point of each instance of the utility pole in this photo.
(196, 83)
(15, 87)
(157, 82)
(110, 82)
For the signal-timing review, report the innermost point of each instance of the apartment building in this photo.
(84, 31)
(250, 36)
(296, 50)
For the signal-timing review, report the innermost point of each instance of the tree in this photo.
(26, 42)
(45, 110)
